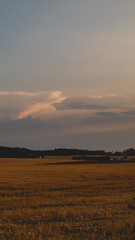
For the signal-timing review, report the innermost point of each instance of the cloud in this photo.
(18, 105)
(110, 117)
(44, 119)
(45, 106)
(76, 104)
(105, 96)
(5, 93)
(94, 102)
(52, 114)
(54, 104)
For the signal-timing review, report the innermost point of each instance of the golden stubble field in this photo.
(66, 201)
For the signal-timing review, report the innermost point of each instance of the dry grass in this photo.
(66, 201)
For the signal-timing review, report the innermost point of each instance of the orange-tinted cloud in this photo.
(18, 105)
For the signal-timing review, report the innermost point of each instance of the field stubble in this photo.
(39, 201)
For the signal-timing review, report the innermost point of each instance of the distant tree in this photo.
(130, 152)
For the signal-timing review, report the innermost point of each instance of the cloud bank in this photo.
(41, 118)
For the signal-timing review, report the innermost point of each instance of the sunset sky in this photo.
(67, 74)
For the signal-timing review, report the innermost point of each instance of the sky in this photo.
(67, 74)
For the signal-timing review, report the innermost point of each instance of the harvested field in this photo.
(39, 200)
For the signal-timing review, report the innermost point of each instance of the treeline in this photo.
(9, 152)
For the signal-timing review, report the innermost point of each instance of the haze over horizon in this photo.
(67, 74)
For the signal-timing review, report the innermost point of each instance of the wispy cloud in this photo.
(6, 93)
(103, 96)
(18, 105)
(44, 106)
